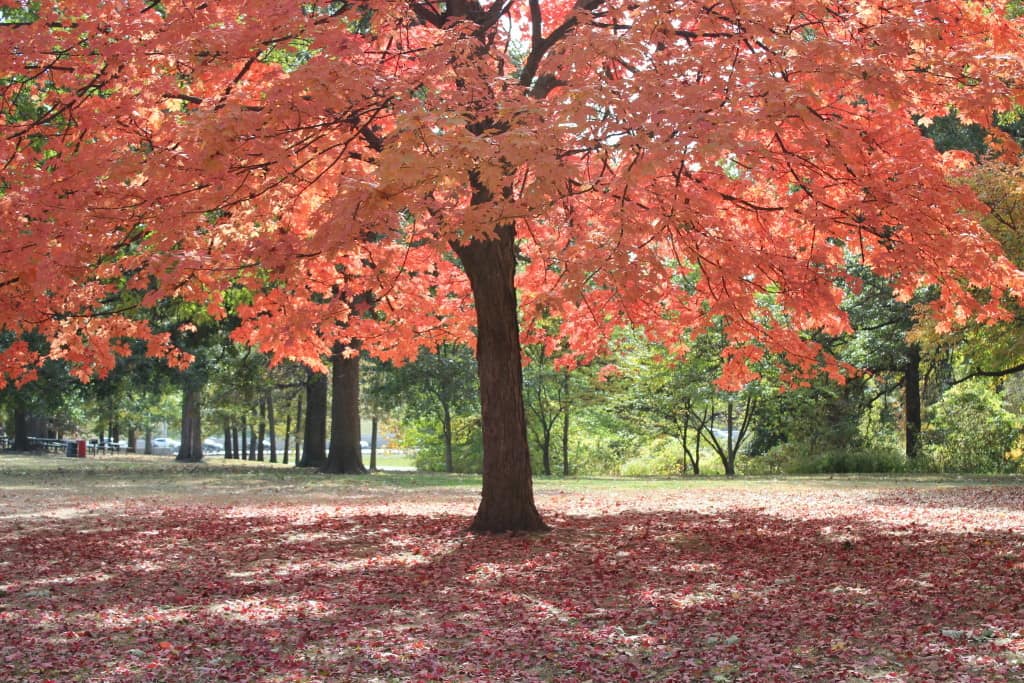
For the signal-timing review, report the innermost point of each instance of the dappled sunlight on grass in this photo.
(311, 578)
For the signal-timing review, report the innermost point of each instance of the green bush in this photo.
(969, 430)
(594, 451)
(426, 438)
(658, 458)
(801, 458)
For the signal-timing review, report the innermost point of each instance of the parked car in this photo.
(164, 444)
(212, 446)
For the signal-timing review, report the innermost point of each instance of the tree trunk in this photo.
(299, 424)
(546, 448)
(132, 435)
(191, 448)
(345, 456)
(262, 431)
(506, 502)
(373, 443)
(228, 452)
(314, 433)
(252, 442)
(245, 437)
(730, 452)
(287, 436)
(912, 401)
(446, 429)
(147, 448)
(234, 443)
(21, 442)
(271, 427)
(565, 425)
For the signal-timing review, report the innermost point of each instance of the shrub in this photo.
(801, 458)
(660, 458)
(425, 436)
(971, 431)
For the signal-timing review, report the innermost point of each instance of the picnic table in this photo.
(49, 445)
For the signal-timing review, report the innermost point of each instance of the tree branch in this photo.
(990, 373)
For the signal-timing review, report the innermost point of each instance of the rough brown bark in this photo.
(912, 401)
(271, 427)
(261, 432)
(245, 438)
(229, 453)
(314, 433)
(191, 448)
(299, 425)
(345, 456)
(287, 436)
(21, 442)
(506, 502)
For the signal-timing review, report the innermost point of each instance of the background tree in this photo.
(438, 390)
(314, 429)
(546, 392)
(345, 453)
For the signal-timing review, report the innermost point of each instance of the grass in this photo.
(138, 568)
(390, 459)
(161, 476)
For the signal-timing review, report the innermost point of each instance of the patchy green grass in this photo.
(392, 459)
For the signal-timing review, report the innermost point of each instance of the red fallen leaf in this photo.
(165, 645)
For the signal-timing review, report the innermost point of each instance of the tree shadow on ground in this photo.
(208, 593)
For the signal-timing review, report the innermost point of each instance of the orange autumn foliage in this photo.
(664, 163)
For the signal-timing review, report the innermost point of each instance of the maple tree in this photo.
(594, 162)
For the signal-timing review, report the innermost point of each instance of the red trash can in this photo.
(81, 448)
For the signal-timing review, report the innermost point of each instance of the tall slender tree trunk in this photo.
(245, 437)
(912, 401)
(191, 448)
(234, 443)
(546, 447)
(695, 461)
(730, 451)
(261, 433)
(147, 448)
(506, 502)
(345, 455)
(271, 427)
(299, 425)
(132, 435)
(374, 421)
(565, 425)
(287, 436)
(446, 428)
(314, 433)
(228, 452)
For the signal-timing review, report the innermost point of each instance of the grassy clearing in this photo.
(107, 478)
(136, 568)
